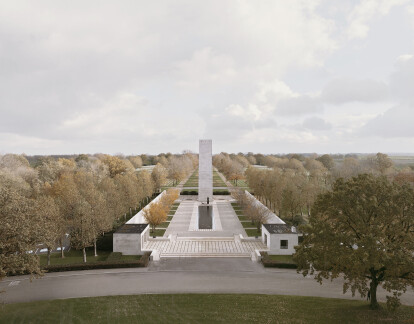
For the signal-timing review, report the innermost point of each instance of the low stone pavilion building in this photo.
(127, 239)
(280, 239)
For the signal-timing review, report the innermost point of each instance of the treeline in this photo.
(82, 196)
(136, 160)
(290, 186)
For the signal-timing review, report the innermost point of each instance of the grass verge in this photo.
(201, 308)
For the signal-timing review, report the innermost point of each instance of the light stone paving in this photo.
(187, 241)
(205, 247)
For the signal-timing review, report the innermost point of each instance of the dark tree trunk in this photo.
(94, 248)
(62, 253)
(48, 256)
(373, 295)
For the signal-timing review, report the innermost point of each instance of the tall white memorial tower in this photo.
(205, 171)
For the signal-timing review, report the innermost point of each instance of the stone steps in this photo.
(205, 255)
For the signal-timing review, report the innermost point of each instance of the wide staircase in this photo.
(204, 247)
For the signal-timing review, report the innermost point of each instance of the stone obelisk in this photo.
(205, 171)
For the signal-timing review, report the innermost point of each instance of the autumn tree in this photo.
(327, 161)
(362, 229)
(257, 213)
(83, 232)
(115, 165)
(136, 161)
(155, 214)
(159, 175)
(50, 218)
(20, 229)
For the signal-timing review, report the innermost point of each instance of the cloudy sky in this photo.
(155, 76)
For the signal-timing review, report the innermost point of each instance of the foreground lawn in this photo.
(74, 256)
(188, 308)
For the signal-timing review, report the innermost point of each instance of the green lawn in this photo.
(157, 232)
(74, 256)
(240, 183)
(252, 232)
(163, 225)
(169, 218)
(192, 181)
(248, 224)
(201, 308)
(243, 218)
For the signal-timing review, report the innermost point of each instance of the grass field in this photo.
(217, 181)
(196, 308)
(74, 256)
(193, 180)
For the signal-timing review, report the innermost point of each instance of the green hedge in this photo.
(143, 262)
(221, 192)
(269, 263)
(189, 192)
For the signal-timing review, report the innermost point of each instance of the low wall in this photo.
(273, 219)
(139, 217)
(127, 244)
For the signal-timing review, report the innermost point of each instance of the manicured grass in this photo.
(169, 218)
(239, 212)
(74, 256)
(248, 224)
(201, 308)
(252, 232)
(163, 225)
(243, 218)
(235, 205)
(192, 181)
(157, 232)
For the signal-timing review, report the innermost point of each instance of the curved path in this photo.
(188, 275)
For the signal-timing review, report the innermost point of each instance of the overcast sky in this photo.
(155, 76)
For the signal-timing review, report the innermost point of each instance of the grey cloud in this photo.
(395, 122)
(316, 123)
(402, 81)
(300, 105)
(344, 90)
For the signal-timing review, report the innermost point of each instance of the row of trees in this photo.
(291, 186)
(81, 197)
(257, 213)
(156, 212)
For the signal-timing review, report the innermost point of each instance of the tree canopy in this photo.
(362, 229)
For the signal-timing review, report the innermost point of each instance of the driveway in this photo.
(175, 275)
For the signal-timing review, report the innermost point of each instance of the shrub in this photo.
(221, 192)
(143, 262)
(189, 192)
(269, 263)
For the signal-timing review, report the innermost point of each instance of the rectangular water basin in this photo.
(205, 217)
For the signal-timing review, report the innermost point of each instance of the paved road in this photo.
(186, 275)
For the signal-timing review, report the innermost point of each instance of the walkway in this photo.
(173, 276)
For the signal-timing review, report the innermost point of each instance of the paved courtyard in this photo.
(183, 239)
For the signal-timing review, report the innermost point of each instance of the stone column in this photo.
(205, 171)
